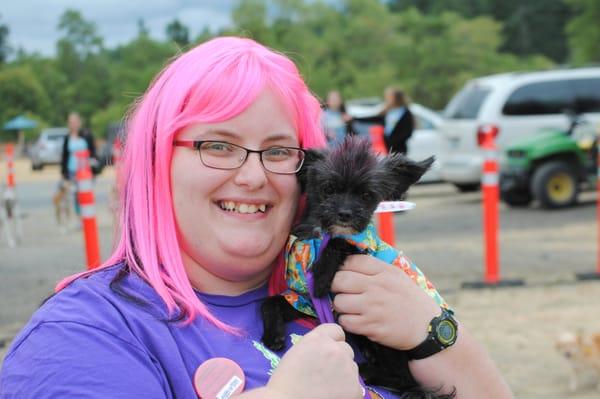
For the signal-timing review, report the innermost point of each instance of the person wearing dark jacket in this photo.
(396, 118)
(398, 121)
(68, 162)
(78, 139)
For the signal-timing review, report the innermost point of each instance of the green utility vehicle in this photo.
(551, 167)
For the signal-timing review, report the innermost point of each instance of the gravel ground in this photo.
(442, 235)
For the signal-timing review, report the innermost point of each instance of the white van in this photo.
(513, 105)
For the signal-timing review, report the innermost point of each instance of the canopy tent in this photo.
(20, 123)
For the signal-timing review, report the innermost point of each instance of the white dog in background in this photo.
(10, 216)
(582, 353)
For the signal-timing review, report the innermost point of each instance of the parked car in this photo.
(514, 106)
(47, 150)
(106, 153)
(425, 140)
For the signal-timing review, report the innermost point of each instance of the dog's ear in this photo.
(311, 157)
(403, 173)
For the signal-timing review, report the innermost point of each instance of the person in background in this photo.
(335, 121)
(78, 139)
(209, 195)
(398, 120)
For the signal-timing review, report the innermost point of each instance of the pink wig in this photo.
(212, 82)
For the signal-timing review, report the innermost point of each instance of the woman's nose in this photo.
(251, 174)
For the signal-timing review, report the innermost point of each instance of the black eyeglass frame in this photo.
(196, 144)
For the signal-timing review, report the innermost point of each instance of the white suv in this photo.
(512, 105)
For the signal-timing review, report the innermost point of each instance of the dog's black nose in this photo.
(344, 215)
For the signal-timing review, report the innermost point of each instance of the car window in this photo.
(587, 94)
(422, 123)
(467, 102)
(540, 99)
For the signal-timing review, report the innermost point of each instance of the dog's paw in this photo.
(274, 342)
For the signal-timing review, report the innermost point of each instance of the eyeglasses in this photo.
(224, 155)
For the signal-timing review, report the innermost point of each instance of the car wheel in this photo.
(37, 166)
(516, 198)
(555, 185)
(467, 187)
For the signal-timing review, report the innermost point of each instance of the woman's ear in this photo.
(403, 173)
(311, 157)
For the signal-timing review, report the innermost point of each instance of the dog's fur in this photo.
(582, 353)
(344, 186)
(62, 203)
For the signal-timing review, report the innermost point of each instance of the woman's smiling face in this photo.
(232, 224)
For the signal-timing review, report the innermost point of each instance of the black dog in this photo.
(344, 187)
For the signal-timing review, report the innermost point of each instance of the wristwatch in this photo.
(442, 333)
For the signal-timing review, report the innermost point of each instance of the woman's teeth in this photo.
(242, 208)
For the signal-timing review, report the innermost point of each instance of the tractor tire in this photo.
(555, 185)
(516, 198)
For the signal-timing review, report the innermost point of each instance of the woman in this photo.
(335, 121)
(398, 120)
(209, 196)
(77, 140)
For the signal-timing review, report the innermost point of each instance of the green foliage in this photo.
(4, 47)
(178, 33)
(528, 26)
(427, 47)
(584, 31)
(21, 91)
(103, 118)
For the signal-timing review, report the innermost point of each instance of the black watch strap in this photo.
(442, 333)
(425, 349)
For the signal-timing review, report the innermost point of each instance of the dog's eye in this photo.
(367, 196)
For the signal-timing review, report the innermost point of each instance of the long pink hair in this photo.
(212, 82)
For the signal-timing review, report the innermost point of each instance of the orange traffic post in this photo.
(10, 163)
(10, 214)
(85, 197)
(385, 220)
(491, 197)
(595, 275)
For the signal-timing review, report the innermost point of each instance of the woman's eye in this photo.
(274, 153)
(217, 147)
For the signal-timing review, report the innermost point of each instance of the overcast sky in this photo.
(33, 23)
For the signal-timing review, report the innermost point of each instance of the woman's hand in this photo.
(320, 365)
(381, 302)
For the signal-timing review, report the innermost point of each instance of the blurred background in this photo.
(527, 72)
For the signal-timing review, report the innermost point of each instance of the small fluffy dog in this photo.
(582, 353)
(62, 203)
(9, 216)
(344, 185)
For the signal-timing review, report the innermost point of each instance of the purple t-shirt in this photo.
(88, 341)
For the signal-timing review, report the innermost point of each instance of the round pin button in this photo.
(218, 378)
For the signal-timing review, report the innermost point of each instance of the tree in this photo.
(21, 92)
(528, 26)
(4, 47)
(250, 19)
(178, 33)
(584, 31)
(81, 58)
(80, 38)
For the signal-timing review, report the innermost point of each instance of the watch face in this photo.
(446, 332)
